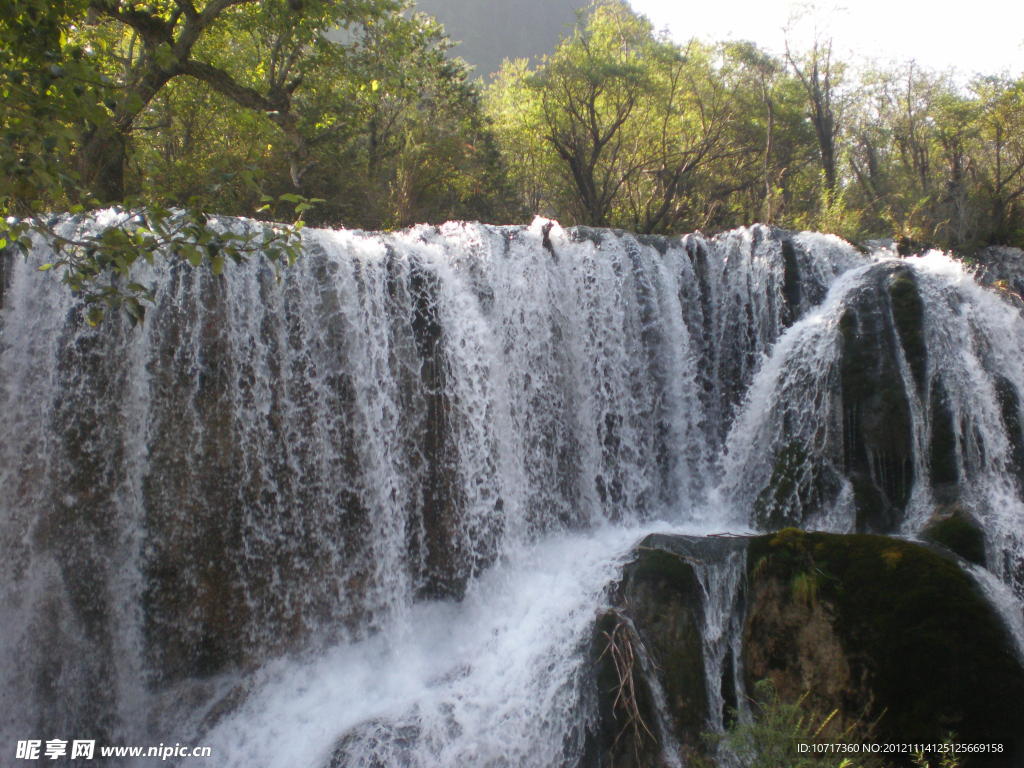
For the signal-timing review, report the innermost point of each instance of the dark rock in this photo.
(1009, 406)
(958, 532)
(942, 462)
(5, 257)
(908, 246)
(791, 278)
(886, 631)
(656, 617)
(882, 323)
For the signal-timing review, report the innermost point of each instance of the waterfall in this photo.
(947, 384)
(364, 511)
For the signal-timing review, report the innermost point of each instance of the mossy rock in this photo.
(927, 654)
(656, 605)
(908, 316)
(958, 533)
(883, 322)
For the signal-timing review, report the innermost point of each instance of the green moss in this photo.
(912, 624)
(804, 587)
(908, 315)
(959, 534)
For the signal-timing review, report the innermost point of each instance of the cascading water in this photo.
(949, 395)
(365, 514)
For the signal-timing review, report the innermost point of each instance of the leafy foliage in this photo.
(621, 127)
(772, 736)
(173, 109)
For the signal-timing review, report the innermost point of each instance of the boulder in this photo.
(888, 632)
(892, 636)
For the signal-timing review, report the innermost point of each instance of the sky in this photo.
(969, 36)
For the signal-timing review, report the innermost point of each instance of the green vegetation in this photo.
(772, 736)
(175, 109)
(178, 109)
(620, 127)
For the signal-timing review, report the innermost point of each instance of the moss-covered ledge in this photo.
(900, 635)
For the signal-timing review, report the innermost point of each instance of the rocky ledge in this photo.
(890, 637)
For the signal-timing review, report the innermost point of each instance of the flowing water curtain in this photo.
(895, 400)
(273, 464)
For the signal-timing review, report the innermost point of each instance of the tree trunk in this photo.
(101, 162)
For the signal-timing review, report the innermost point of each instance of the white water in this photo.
(494, 680)
(289, 472)
(721, 583)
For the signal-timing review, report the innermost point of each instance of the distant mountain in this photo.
(489, 31)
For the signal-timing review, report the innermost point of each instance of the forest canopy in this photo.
(352, 113)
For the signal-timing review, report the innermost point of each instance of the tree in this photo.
(627, 121)
(819, 74)
(587, 92)
(83, 72)
(237, 106)
(388, 129)
(896, 153)
(146, 47)
(1001, 125)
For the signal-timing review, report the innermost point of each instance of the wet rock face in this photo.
(882, 363)
(648, 644)
(883, 630)
(882, 327)
(219, 590)
(797, 484)
(1009, 406)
